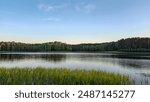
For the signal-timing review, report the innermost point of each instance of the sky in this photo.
(73, 21)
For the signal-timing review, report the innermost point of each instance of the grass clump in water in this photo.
(57, 76)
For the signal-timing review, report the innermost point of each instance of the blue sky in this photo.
(73, 21)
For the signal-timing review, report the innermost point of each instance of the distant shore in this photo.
(136, 44)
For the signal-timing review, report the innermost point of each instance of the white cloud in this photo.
(48, 8)
(87, 8)
(53, 19)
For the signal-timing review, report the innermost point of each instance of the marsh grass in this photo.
(57, 76)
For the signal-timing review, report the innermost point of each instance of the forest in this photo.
(136, 44)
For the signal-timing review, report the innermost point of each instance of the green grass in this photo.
(57, 76)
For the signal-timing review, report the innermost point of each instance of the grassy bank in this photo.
(57, 76)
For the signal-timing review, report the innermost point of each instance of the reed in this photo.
(59, 76)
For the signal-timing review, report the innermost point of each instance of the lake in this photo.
(134, 65)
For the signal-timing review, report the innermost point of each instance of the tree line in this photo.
(129, 44)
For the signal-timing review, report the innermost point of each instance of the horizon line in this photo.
(69, 43)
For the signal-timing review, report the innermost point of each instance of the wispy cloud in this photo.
(52, 19)
(48, 8)
(87, 8)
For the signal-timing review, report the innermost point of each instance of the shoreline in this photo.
(63, 76)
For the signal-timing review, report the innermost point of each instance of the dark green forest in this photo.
(129, 45)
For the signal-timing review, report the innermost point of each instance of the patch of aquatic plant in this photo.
(59, 76)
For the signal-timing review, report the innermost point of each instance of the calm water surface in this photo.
(135, 65)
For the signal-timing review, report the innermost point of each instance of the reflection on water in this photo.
(136, 66)
(46, 57)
